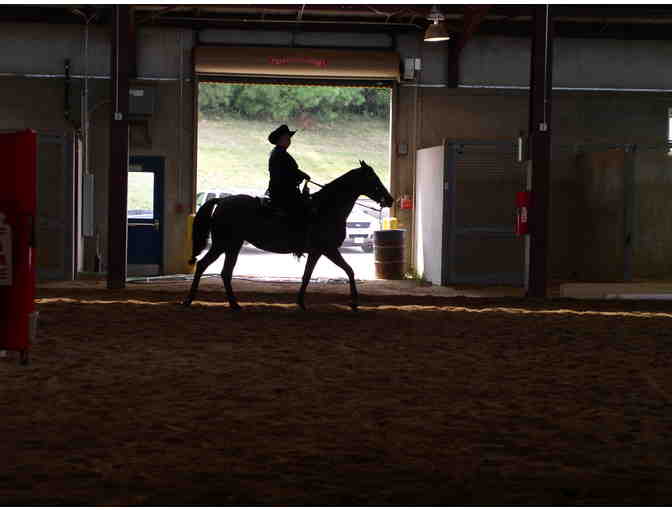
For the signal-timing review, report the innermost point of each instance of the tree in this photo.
(280, 102)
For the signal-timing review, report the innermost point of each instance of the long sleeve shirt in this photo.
(285, 175)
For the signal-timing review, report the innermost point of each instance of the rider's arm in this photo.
(294, 168)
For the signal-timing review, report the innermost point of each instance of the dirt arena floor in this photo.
(417, 399)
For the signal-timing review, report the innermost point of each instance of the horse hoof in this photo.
(302, 306)
(186, 302)
(355, 307)
(235, 307)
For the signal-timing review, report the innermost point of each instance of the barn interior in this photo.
(607, 105)
(474, 379)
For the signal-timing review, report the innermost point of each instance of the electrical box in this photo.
(142, 99)
(88, 211)
(409, 69)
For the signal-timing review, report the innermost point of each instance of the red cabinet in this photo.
(18, 161)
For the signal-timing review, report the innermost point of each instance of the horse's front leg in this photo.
(313, 257)
(335, 256)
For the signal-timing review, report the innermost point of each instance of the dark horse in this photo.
(241, 218)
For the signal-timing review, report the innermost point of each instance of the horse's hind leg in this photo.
(232, 251)
(212, 255)
(335, 256)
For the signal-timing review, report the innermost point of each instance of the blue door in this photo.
(145, 215)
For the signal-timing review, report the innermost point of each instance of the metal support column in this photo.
(540, 148)
(118, 170)
(453, 67)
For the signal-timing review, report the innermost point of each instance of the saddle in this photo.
(268, 209)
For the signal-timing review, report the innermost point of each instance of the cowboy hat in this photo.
(282, 130)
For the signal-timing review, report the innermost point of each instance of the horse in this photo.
(240, 218)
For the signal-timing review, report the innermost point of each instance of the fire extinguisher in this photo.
(522, 213)
(406, 202)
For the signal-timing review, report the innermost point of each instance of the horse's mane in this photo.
(334, 188)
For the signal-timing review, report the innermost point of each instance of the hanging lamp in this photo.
(437, 30)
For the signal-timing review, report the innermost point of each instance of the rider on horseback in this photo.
(285, 177)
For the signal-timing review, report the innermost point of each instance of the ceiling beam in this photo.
(283, 24)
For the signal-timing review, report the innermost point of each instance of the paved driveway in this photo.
(256, 263)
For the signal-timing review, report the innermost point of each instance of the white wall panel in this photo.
(429, 213)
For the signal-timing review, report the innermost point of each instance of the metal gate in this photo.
(480, 184)
(604, 212)
(55, 226)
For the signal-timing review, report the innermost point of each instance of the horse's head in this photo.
(373, 188)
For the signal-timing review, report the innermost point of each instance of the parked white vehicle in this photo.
(204, 196)
(359, 228)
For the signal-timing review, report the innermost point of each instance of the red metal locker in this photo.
(18, 168)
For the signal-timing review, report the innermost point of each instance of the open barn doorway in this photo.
(336, 127)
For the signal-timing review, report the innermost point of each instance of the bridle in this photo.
(379, 210)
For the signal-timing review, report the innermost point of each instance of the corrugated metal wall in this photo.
(577, 63)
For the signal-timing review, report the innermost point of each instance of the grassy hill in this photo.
(233, 153)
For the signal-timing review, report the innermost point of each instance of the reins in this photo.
(379, 211)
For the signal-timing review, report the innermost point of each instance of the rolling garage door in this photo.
(313, 65)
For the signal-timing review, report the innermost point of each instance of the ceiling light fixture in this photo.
(437, 30)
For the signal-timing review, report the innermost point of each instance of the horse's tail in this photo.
(201, 228)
